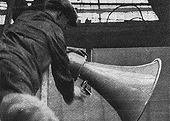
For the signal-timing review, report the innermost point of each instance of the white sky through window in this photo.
(120, 15)
(94, 13)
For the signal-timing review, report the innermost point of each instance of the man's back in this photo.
(32, 42)
(31, 31)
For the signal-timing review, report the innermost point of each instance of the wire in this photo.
(135, 18)
(123, 6)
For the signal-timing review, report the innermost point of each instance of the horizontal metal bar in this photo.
(89, 3)
(122, 4)
(109, 10)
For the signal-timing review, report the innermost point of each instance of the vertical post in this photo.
(8, 18)
(99, 9)
(168, 24)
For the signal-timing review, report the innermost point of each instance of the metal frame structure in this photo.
(98, 3)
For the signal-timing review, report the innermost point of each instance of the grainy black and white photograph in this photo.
(84, 60)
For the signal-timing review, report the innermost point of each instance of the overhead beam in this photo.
(110, 10)
(122, 4)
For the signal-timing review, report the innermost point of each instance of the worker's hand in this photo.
(77, 51)
(78, 94)
(76, 64)
(77, 58)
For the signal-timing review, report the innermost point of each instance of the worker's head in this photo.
(65, 7)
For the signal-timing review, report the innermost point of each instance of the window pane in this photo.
(103, 12)
(107, 13)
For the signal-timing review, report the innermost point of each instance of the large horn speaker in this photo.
(126, 88)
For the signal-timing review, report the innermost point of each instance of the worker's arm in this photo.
(60, 66)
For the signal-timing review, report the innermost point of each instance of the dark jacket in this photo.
(34, 42)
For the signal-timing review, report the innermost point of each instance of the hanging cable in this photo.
(123, 6)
